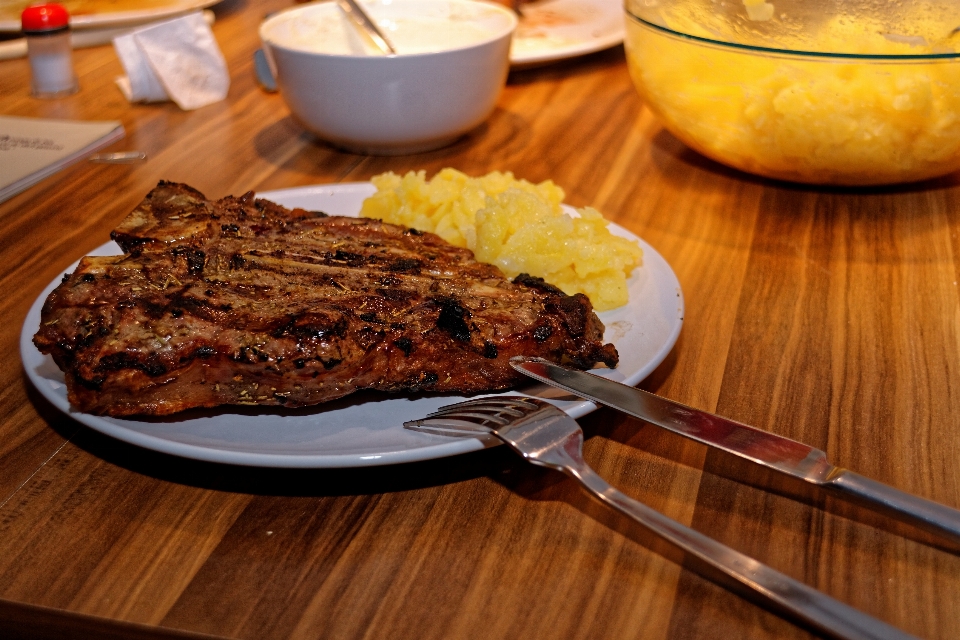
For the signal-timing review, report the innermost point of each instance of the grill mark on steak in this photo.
(453, 318)
(241, 301)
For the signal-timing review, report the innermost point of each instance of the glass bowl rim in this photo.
(797, 53)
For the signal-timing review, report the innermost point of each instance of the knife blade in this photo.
(767, 449)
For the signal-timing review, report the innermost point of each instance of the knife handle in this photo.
(935, 518)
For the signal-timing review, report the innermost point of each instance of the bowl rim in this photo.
(496, 8)
(795, 53)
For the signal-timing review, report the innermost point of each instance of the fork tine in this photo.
(493, 416)
(514, 403)
(480, 416)
(447, 427)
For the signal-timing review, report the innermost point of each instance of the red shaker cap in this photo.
(44, 17)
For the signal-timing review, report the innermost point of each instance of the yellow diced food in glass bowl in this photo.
(802, 93)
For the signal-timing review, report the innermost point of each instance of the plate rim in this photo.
(122, 18)
(29, 353)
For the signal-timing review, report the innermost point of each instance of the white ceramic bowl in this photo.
(451, 65)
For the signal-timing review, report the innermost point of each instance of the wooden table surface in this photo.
(831, 316)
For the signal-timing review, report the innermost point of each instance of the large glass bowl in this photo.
(842, 92)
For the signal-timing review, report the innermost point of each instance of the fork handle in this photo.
(744, 574)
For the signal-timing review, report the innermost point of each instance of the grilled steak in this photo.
(241, 301)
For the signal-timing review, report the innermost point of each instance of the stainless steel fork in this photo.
(548, 437)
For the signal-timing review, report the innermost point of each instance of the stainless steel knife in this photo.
(769, 450)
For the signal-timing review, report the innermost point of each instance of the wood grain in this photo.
(827, 315)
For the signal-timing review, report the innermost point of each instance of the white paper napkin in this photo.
(175, 60)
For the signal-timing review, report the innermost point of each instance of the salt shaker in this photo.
(47, 29)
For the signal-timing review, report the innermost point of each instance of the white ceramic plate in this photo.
(101, 14)
(365, 428)
(553, 30)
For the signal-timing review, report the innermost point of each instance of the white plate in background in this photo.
(554, 30)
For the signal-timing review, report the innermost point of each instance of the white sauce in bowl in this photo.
(412, 26)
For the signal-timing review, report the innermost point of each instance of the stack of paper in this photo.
(32, 149)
